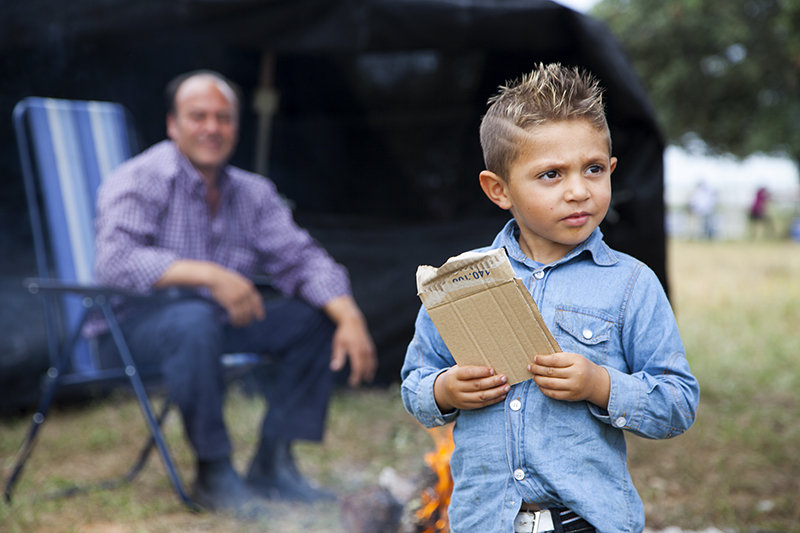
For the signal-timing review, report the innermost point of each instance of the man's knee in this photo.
(191, 315)
(187, 332)
(185, 318)
(192, 339)
(305, 320)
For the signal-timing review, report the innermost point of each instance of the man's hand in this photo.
(571, 377)
(234, 292)
(351, 340)
(469, 387)
(238, 296)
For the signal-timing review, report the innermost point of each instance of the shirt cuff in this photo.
(625, 400)
(427, 403)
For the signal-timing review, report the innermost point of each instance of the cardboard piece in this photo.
(485, 314)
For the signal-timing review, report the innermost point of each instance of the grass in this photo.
(738, 307)
(367, 432)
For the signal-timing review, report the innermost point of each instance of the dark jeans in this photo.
(186, 339)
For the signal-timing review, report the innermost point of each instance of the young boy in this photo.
(552, 448)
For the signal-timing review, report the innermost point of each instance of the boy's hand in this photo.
(571, 377)
(469, 387)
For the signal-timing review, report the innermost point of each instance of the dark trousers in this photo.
(186, 339)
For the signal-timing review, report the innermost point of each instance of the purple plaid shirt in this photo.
(152, 211)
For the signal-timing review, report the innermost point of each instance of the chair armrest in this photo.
(34, 285)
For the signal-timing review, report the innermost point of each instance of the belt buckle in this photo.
(533, 522)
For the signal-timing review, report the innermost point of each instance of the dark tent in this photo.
(375, 137)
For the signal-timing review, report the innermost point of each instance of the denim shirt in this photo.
(608, 307)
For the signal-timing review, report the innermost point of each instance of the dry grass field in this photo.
(738, 468)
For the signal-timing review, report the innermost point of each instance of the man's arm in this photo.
(300, 267)
(351, 339)
(234, 292)
(240, 298)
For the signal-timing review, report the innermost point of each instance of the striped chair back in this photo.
(67, 148)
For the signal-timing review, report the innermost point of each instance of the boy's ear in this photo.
(495, 188)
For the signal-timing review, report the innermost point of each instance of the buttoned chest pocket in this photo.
(584, 332)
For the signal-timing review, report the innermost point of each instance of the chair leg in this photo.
(138, 388)
(153, 423)
(30, 437)
(54, 377)
(148, 447)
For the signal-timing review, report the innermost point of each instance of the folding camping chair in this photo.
(67, 148)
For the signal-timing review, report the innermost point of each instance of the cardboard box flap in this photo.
(484, 314)
(462, 275)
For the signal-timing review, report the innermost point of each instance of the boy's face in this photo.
(558, 189)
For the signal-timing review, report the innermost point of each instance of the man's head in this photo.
(549, 93)
(203, 119)
(548, 158)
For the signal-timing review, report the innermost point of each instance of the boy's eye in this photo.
(596, 169)
(549, 175)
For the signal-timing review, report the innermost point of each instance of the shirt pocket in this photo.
(585, 332)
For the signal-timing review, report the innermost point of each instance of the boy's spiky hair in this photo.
(549, 93)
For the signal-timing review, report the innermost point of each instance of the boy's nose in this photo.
(577, 189)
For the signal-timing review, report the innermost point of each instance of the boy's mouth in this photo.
(577, 219)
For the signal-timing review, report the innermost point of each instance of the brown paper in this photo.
(484, 314)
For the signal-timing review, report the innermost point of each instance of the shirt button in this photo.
(519, 475)
(539, 274)
(587, 334)
(515, 405)
(620, 422)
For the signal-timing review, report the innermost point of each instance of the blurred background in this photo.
(374, 141)
(723, 77)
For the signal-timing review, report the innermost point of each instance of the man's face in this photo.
(559, 188)
(205, 124)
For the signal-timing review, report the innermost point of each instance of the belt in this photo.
(533, 519)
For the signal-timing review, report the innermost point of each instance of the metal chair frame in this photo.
(68, 292)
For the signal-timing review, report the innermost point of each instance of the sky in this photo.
(578, 5)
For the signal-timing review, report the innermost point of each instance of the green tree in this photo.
(727, 71)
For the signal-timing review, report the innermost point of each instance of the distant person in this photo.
(179, 217)
(759, 214)
(702, 206)
(552, 448)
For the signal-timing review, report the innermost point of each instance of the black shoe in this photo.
(274, 475)
(219, 488)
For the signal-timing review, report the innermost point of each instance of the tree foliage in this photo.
(727, 71)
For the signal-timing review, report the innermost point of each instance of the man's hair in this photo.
(175, 83)
(550, 93)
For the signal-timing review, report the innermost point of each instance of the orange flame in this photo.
(433, 513)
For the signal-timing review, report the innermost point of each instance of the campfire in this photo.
(402, 505)
(433, 513)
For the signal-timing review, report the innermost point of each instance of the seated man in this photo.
(179, 217)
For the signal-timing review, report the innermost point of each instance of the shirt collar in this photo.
(597, 249)
(184, 166)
